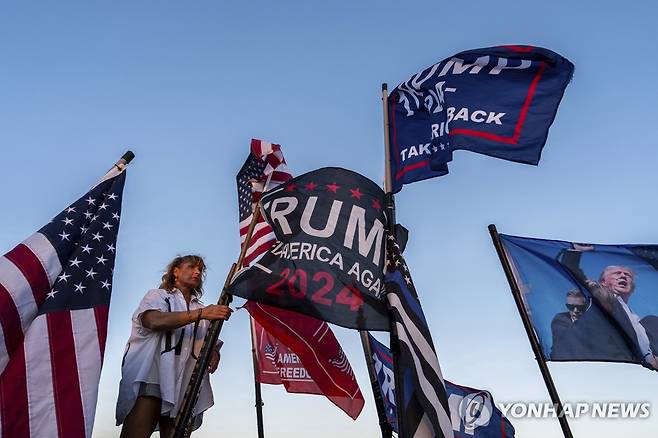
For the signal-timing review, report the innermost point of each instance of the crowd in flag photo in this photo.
(352, 290)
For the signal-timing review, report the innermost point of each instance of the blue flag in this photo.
(472, 411)
(383, 360)
(497, 101)
(589, 302)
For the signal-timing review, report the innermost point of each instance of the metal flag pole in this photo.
(385, 427)
(183, 422)
(259, 398)
(532, 336)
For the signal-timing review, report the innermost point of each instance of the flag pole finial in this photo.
(124, 160)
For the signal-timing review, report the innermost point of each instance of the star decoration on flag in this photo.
(310, 186)
(86, 248)
(291, 187)
(356, 193)
(333, 187)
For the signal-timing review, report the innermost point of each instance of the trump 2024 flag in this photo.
(497, 101)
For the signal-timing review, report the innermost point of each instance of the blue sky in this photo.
(187, 85)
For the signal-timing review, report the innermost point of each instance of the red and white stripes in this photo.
(50, 364)
(275, 173)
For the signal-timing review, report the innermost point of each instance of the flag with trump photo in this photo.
(473, 413)
(421, 398)
(328, 259)
(55, 291)
(589, 302)
(303, 355)
(497, 101)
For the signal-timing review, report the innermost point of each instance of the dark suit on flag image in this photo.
(589, 302)
(55, 291)
(318, 350)
(496, 101)
(329, 256)
(422, 400)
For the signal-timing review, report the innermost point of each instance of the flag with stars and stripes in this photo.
(422, 403)
(54, 300)
(264, 169)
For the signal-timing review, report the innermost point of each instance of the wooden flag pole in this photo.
(532, 336)
(183, 422)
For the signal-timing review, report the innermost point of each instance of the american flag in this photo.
(422, 402)
(54, 300)
(265, 168)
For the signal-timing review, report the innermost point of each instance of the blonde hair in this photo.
(169, 280)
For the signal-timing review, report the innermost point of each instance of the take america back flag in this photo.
(422, 402)
(55, 291)
(497, 101)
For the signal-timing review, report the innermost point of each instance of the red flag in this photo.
(279, 365)
(315, 346)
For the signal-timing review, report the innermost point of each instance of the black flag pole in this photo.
(183, 422)
(257, 392)
(532, 336)
(385, 427)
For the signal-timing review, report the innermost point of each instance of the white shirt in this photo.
(153, 357)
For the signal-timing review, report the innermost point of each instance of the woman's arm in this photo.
(157, 320)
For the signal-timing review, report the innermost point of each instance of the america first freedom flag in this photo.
(55, 291)
(496, 101)
(264, 169)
